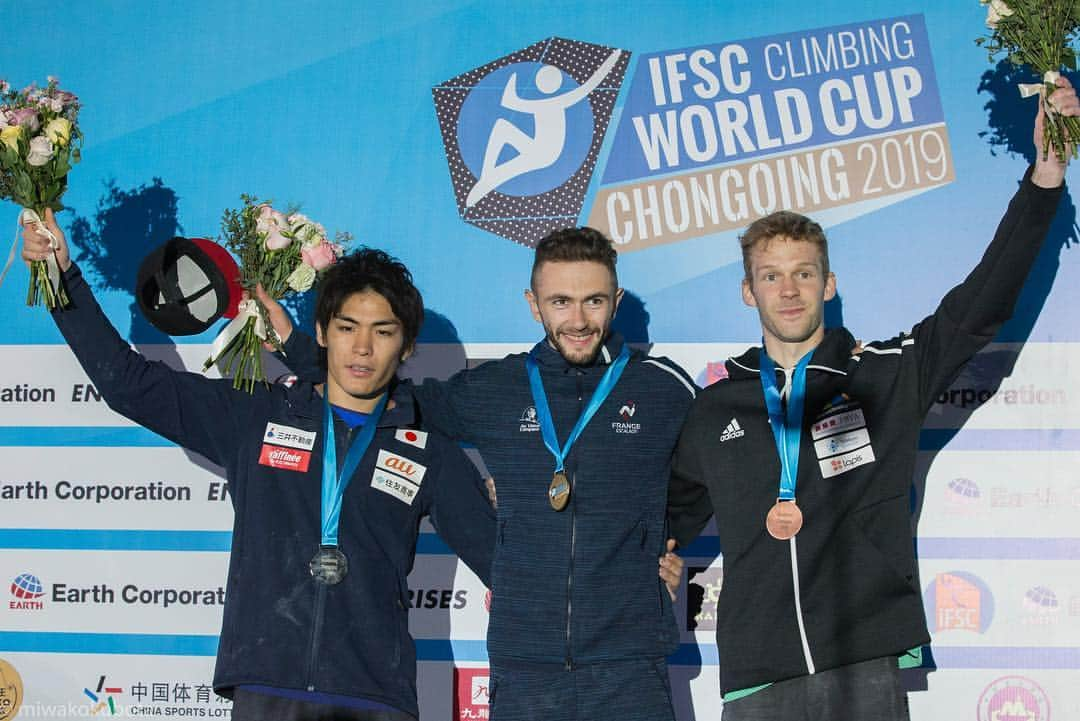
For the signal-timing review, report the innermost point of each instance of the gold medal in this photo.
(784, 520)
(559, 491)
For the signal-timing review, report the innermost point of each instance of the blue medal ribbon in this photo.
(786, 428)
(543, 412)
(334, 483)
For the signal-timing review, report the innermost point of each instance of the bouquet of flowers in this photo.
(1039, 34)
(39, 141)
(285, 252)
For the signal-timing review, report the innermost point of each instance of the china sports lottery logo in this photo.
(523, 132)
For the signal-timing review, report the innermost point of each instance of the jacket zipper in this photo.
(316, 625)
(793, 550)
(573, 537)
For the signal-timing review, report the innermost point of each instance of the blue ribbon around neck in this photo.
(543, 412)
(786, 428)
(334, 483)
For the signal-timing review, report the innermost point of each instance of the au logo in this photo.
(522, 134)
(11, 691)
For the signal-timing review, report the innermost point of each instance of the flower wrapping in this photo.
(285, 253)
(39, 142)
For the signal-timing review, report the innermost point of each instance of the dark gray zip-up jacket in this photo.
(846, 588)
(280, 627)
(581, 585)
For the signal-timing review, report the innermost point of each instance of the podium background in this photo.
(331, 105)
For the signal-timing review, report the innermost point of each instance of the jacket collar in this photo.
(548, 357)
(305, 401)
(831, 355)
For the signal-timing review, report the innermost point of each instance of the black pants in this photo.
(866, 691)
(248, 706)
(626, 690)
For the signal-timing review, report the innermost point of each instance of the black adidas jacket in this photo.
(846, 588)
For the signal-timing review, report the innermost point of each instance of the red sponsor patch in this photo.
(471, 694)
(290, 459)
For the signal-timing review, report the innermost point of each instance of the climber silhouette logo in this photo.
(522, 134)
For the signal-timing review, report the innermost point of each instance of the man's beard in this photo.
(576, 356)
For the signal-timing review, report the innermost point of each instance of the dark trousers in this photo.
(248, 706)
(624, 690)
(866, 691)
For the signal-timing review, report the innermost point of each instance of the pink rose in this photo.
(276, 241)
(26, 117)
(273, 225)
(318, 256)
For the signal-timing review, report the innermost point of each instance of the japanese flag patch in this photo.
(411, 437)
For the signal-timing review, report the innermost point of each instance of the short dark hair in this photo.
(575, 244)
(375, 270)
(783, 224)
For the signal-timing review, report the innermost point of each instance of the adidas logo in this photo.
(733, 430)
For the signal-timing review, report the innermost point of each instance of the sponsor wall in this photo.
(455, 134)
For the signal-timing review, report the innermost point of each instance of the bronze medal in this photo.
(329, 565)
(559, 491)
(784, 520)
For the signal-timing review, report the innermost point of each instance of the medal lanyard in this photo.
(334, 483)
(543, 412)
(787, 429)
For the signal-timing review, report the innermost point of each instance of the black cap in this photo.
(186, 284)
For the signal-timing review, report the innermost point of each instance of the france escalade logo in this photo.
(522, 134)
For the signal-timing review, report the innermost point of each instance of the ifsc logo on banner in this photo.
(835, 122)
(523, 132)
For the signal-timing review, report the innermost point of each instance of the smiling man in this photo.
(811, 494)
(328, 484)
(578, 433)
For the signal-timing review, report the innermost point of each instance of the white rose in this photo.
(312, 234)
(995, 12)
(41, 151)
(302, 278)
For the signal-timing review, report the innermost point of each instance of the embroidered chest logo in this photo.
(733, 430)
(841, 438)
(397, 476)
(528, 422)
(625, 424)
(286, 447)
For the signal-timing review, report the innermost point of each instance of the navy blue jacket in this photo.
(282, 628)
(581, 585)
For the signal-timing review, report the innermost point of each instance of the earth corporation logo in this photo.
(11, 691)
(522, 134)
(1041, 606)
(1014, 698)
(27, 591)
(963, 496)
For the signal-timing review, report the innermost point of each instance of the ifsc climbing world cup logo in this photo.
(522, 134)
